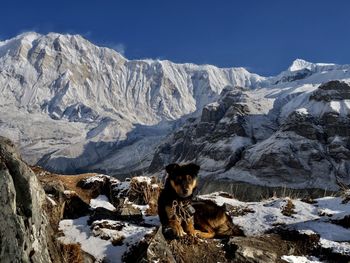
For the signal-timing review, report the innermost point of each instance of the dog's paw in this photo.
(170, 233)
(181, 233)
(196, 233)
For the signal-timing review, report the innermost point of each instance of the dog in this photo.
(179, 215)
(212, 221)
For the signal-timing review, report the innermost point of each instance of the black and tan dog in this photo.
(180, 216)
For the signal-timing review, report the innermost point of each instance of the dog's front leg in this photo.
(175, 223)
(189, 226)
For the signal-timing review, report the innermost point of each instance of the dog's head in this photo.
(183, 178)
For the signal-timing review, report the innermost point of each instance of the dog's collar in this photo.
(183, 209)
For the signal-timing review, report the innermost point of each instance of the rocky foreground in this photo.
(96, 218)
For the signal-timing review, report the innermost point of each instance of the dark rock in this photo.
(220, 121)
(212, 113)
(98, 185)
(130, 213)
(54, 188)
(203, 128)
(257, 249)
(114, 225)
(303, 125)
(74, 207)
(102, 229)
(159, 249)
(332, 90)
(296, 75)
(101, 213)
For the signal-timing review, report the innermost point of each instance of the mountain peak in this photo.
(26, 37)
(299, 64)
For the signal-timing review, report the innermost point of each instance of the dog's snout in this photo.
(185, 191)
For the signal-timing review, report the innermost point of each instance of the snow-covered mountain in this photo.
(73, 106)
(75, 103)
(294, 133)
(295, 137)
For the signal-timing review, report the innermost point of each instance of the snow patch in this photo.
(78, 231)
(300, 259)
(102, 201)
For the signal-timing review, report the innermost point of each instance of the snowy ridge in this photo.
(300, 64)
(73, 106)
(92, 94)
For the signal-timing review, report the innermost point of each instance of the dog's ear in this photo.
(193, 169)
(171, 167)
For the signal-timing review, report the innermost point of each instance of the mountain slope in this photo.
(73, 107)
(299, 139)
(75, 103)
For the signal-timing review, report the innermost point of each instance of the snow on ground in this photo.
(326, 230)
(337, 247)
(267, 214)
(255, 218)
(335, 206)
(101, 178)
(102, 201)
(300, 259)
(308, 218)
(122, 186)
(78, 231)
(143, 179)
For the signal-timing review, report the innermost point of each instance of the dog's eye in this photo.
(189, 178)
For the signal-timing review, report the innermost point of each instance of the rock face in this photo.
(24, 225)
(220, 134)
(300, 142)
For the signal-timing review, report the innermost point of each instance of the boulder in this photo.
(74, 206)
(23, 223)
(186, 250)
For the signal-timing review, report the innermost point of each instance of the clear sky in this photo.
(264, 36)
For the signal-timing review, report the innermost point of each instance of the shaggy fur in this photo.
(213, 221)
(209, 219)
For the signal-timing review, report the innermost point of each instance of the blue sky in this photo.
(264, 36)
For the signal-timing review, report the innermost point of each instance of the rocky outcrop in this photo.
(24, 229)
(302, 142)
(311, 147)
(103, 234)
(224, 129)
(31, 211)
(334, 90)
(267, 248)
